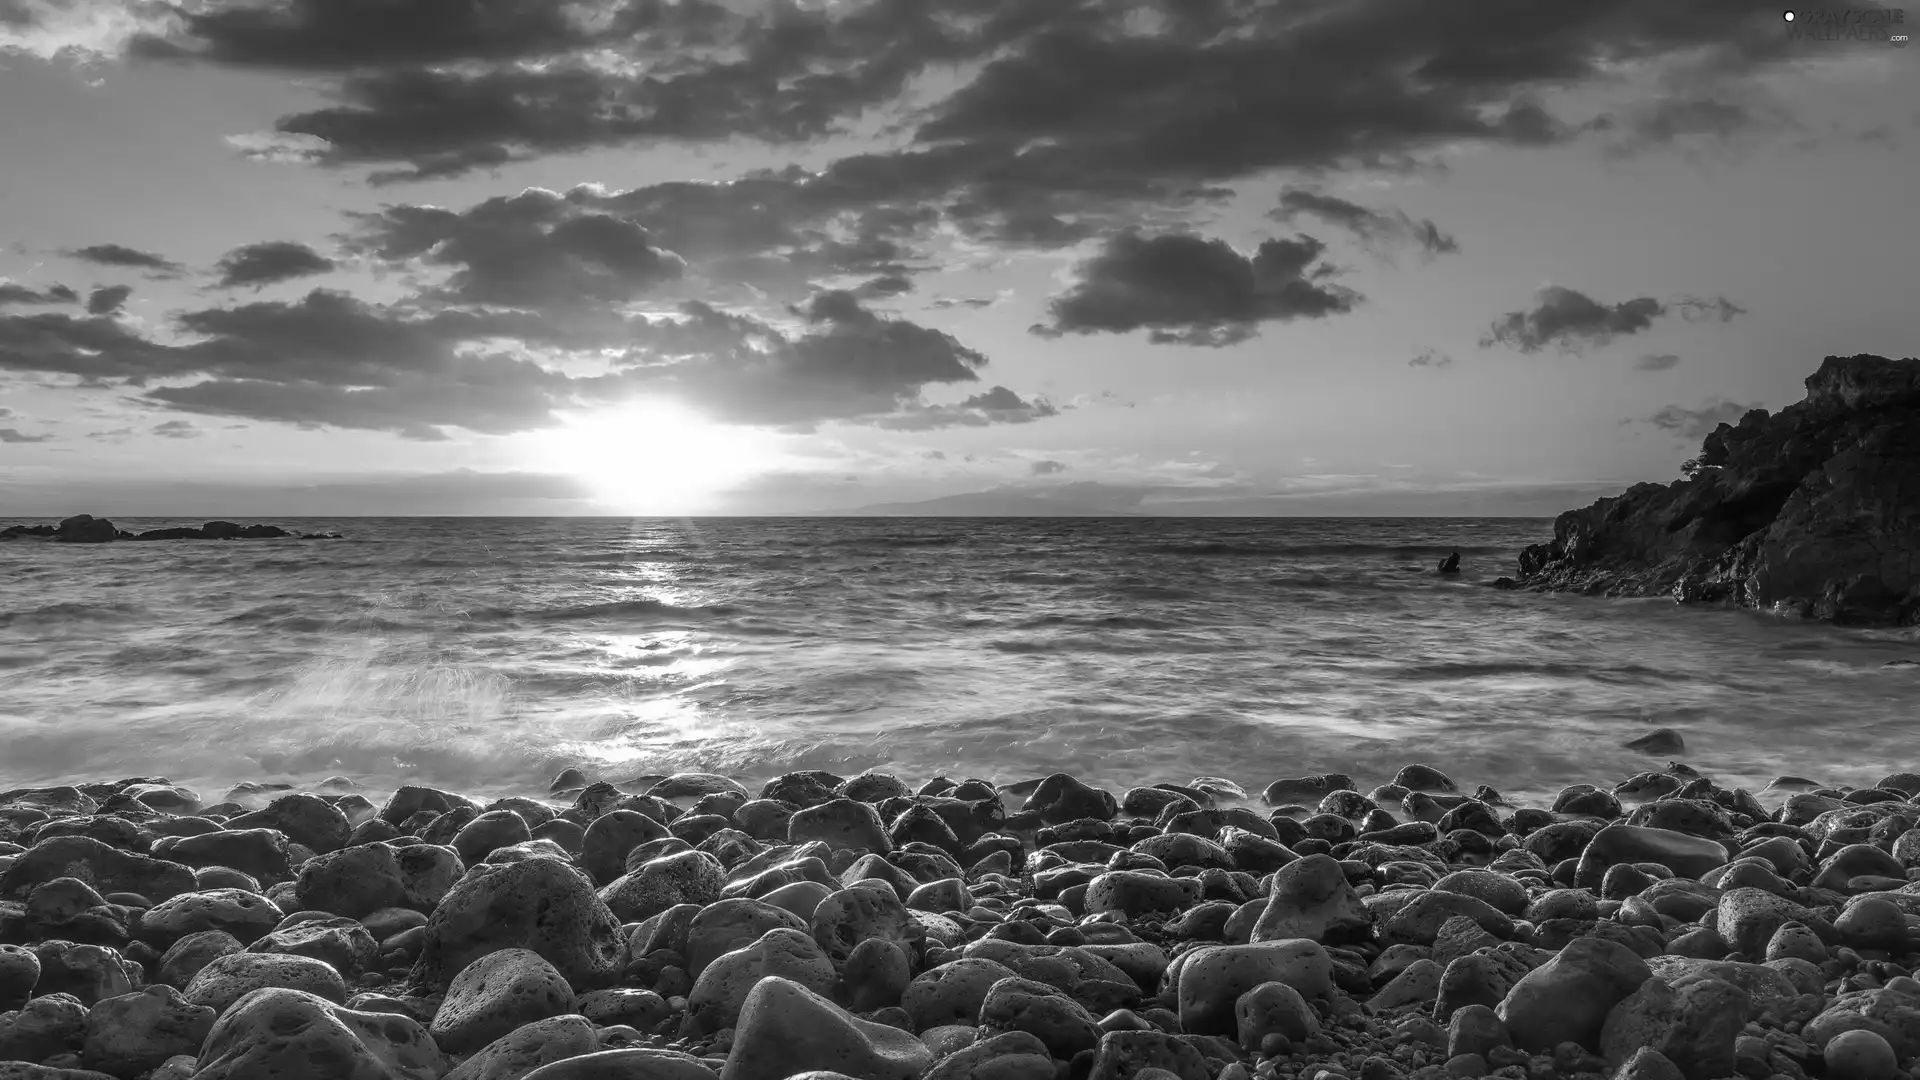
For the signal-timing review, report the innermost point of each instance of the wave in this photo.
(70, 614)
(1480, 669)
(631, 609)
(908, 541)
(1256, 548)
(1095, 622)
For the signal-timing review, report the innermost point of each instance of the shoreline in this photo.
(1664, 928)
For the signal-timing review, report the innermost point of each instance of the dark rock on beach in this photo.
(1039, 930)
(1813, 511)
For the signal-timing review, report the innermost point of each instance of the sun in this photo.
(656, 457)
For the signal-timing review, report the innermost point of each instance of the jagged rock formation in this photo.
(1813, 511)
(87, 529)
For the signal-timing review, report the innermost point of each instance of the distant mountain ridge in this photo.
(996, 503)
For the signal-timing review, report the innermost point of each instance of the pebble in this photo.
(854, 927)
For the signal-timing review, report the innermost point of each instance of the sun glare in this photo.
(656, 457)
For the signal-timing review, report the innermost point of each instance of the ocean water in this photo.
(484, 655)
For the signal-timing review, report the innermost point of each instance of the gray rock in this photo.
(289, 1035)
(496, 994)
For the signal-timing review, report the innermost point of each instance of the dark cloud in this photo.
(120, 255)
(996, 406)
(351, 35)
(1380, 230)
(1430, 357)
(1189, 290)
(1048, 467)
(1573, 320)
(934, 455)
(106, 301)
(974, 302)
(1657, 362)
(884, 286)
(329, 359)
(1077, 101)
(1698, 423)
(270, 262)
(176, 429)
(15, 293)
(14, 435)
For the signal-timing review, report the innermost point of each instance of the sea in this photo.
(484, 655)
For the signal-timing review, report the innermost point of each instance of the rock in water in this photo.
(1804, 512)
(1450, 564)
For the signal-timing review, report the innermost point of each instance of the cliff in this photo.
(1811, 511)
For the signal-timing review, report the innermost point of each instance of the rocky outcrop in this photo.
(87, 529)
(1813, 511)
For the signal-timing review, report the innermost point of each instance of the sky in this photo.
(662, 257)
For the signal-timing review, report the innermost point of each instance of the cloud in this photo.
(330, 359)
(14, 435)
(268, 263)
(1657, 362)
(934, 455)
(1430, 357)
(1123, 100)
(83, 30)
(884, 286)
(123, 256)
(1573, 320)
(106, 301)
(1048, 467)
(996, 406)
(1379, 230)
(974, 302)
(176, 429)
(1189, 290)
(1698, 423)
(12, 292)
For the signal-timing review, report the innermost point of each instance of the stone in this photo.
(785, 1028)
(631, 1063)
(875, 975)
(44, 1027)
(352, 882)
(528, 1047)
(1062, 1024)
(1010, 1055)
(494, 995)
(951, 993)
(259, 852)
(1617, 844)
(1475, 1029)
(1889, 1012)
(543, 905)
(1311, 898)
(104, 867)
(728, 924)
(1860, 1055)
(1211, 979)
(1498, 891)
(186, 957)
(1418, 984)
(19, 971)
(1137, 892)
(845, 918)
(1646, 1063)
(611, 836)
(88, 972)
(229, 978)
(624, 1005)
(1567, 999)
(246, 915)
(1139, 1055)
(1273, 1008)
(684, 877)
(489, 832)
(1748, 918)
(1692, 1025)
(721, 991)
(1872, 922)
(1419, 922)
(136, 1032)
(308, 820)
(342, 944)
(282, 1034)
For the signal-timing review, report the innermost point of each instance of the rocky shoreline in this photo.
(686, 928)
(87, 529)
(1813, 511)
